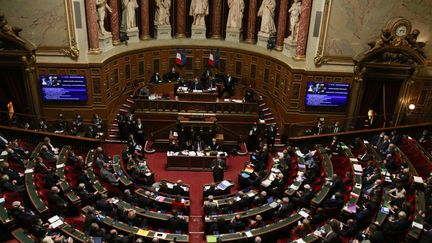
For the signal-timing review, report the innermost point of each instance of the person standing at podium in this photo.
(199, 144)
(196, 85)
(218, 166)
(171, 76)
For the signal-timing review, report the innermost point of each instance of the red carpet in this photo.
(157, 163)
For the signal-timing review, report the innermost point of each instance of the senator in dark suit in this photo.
(218, 166)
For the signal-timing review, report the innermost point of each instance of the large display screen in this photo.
(327, 95)
(57, 88)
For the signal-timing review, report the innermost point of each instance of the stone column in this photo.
(303, 29)
(281, 28)
(114, 22)
(181, 19)
(250, 38)
(145, 20)
(92, 26)
(216, 20)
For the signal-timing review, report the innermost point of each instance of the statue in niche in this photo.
(294, 12)
(128, 14)
(235, 14)
(199, 9)
(162, 15)
(267, 13)
(102, 6)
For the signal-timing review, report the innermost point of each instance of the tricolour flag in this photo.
(179, 60)
(211, 61)
(216, 60)
(183, 56)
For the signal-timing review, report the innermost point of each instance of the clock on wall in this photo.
(399, 27)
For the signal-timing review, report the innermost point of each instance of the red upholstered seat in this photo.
(148, 147)
(11, 197)
(242, 149)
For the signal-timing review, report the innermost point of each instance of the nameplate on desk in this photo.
(303, 214)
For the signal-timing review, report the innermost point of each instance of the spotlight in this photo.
(411, 107)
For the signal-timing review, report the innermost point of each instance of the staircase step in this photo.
(127, 105)
(269, 119)
(114, 130)
(262, 104)
(130, 101)
(268, 114)
(114, 124)
(265, 109)
(123, 109)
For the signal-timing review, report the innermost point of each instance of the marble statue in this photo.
(199, 9)
(102, 6)
(267, 13)
(294, 12)
(235, 14)
(128, 14)
(162, 15)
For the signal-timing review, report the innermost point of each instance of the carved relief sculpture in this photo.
(128, 14)
(11, 34)
(267, 13)
(102, 6)
(162, 15)
(294, 12)
(235, 14)
(199, 9)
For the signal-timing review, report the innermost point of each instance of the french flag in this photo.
(179, 60)
(211, 61)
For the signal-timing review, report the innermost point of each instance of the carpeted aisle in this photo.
(157, 163)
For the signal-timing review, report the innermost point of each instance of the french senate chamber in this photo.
(205, 121)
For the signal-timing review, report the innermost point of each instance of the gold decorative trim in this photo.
(71, 50)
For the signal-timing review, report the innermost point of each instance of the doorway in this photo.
(381, 96)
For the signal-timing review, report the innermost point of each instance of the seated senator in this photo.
(173, 75)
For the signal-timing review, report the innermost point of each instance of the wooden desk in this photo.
(198, 96)
(268, 229)
(30, 185)
(185, 162)
(148, 234)
(329, 175)
(68, 230)
(123, 178)
(64, 185)
(21, 236)
(263, 209)
(357, 181)
(167, 200)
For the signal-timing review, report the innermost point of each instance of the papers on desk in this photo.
(251, 194)
(352, 194)
(266, 183)
(249, 170)
(160, 235)
(224, 185)
(227, 100)
(4, 153)
(115, 201)
(170, 185)
(300, 241)
(192, 153)
(417, 225)
(55, 222)
(275, 170)
(245, 175)
(28, 171)
(53, 219)
(248, 234)
(200, 153)
(211, 239)
(237, 101)
(160, 198)
(358, 168)
(303, 214)
(197, 91)
(418, 179)
(385, 210)
(60, 166)
(351, 207)
(294, 187)
(353, 160)
(2, 199)
(273, 204)
(142, 232)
